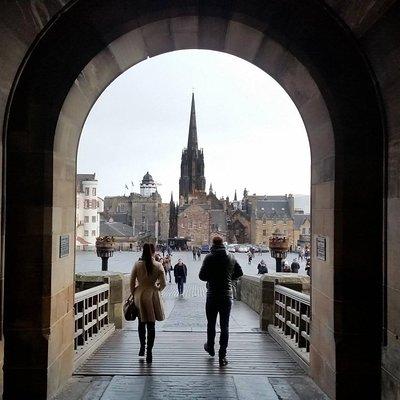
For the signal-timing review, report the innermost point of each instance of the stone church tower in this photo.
(192, 178)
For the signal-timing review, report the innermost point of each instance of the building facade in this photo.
(200, 215)
(192, 179)
(88, 209)
(144, 212)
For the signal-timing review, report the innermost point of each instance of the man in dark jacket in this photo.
(295, 266)
(180, 273)
(219, 269)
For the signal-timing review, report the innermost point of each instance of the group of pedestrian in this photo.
(179, 270)
(219, 269)
(294, 267)
(196, 253)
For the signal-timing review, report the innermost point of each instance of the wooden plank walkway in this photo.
(182, 354)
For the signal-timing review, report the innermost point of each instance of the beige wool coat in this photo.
(146, 291)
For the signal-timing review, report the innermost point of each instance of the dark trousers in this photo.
(168, 273)
(151, 334)
(179, 281)
(221, 306)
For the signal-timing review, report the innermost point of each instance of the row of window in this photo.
(86, 218)
(86, 233)
(91, 204)
(87, 191)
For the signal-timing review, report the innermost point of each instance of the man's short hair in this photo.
(217, 241)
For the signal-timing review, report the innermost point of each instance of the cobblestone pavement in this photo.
(122, 261)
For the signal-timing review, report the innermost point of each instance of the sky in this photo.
(251, 131)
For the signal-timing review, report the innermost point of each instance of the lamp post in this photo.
(105, 250)
(279, 246)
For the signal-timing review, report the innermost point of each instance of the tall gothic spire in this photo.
(235, 198)
(192, 140)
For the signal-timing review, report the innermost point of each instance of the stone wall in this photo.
(194, 223)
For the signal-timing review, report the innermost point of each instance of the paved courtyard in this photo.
(122, 261)
(258, 367)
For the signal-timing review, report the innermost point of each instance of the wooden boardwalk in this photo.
(182, 354)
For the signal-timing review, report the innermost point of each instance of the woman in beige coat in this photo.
(147, 281)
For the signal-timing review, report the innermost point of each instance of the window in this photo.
(264, 232)
(93, 191)
(94, 233)
(94, 218)
(87, 191)
(86, 219)
(143, 207)
(303, 231)
(86, 233)
(86, 204)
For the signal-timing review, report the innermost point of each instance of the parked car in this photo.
(231, 248)
(205, 248)
(256, 248)
(264, 249)
(242, 249)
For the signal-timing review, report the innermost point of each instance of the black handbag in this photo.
(130, 310)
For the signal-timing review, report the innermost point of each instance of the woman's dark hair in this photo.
(147, 257)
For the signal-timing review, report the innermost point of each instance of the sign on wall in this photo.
(64, 246)
(321, 248)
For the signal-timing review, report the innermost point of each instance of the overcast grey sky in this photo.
(250, 130)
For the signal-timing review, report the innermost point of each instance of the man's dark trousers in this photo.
(218, 305)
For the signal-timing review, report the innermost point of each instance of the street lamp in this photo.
(105, 250)
(279, 246)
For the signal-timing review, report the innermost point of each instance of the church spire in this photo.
(192, 140)
(235, 198)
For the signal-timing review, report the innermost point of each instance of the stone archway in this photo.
(318, 63)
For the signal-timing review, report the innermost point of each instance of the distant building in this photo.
(199, 215)
(88, 209)
(192, 178)
(122, 234)
(271, 214)
(144, 211)
(302, 229)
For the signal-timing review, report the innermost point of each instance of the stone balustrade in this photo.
(119, 291)
(258, 292)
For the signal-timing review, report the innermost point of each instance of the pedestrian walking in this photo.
(147, 282)
(308, 267)
(249, 256)
(285, 266)
(198, 254)
(219, 270)
(295, 266)
(180, 274)
(194, 252)
(262, 267)
(167, 267)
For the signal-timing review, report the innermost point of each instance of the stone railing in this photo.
(119, 291)
(258, 292)
(292, 321)
(92, 325)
